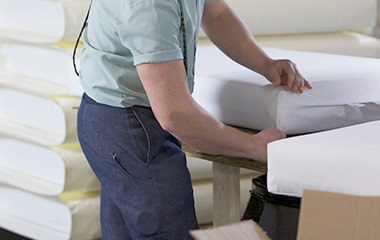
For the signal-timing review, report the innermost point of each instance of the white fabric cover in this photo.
(345, 160)
(47, 218)
(345, 92)
(45, 69)
(37, 118)
(45, 170)
(42, 21)
(265, 17)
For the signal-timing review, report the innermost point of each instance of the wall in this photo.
(377, 29)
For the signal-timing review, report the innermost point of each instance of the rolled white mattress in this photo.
(44, 68)
(74, 217)
(45, 170)
(265, 17)
(47, 120)
(42, 21)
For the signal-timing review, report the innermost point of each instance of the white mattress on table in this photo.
(345, 92)
(345, 160)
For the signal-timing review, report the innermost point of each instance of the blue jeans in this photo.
(146, 190)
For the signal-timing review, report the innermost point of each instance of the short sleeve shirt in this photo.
(124, 33)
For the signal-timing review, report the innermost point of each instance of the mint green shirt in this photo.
(124, 33)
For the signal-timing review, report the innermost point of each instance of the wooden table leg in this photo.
(226, 194)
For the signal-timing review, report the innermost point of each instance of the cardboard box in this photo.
(334, 216)
(323, 216)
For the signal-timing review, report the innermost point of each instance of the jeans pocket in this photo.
(133, 167)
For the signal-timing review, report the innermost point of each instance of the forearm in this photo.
(179, 114)
(203, 132)
(198, 129)
(229, 33)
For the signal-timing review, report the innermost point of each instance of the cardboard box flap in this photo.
(244, 230)
(327, 215)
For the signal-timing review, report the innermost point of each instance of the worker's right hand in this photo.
(284, 72)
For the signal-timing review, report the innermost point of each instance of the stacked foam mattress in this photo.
(48, 190)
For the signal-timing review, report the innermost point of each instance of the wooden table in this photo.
(226, 183)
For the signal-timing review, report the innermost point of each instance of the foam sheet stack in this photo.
(47, 189)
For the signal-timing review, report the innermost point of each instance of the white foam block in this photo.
(345, 160)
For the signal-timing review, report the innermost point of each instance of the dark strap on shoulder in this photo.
(78, 39)
(183, 36)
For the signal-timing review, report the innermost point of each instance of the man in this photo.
(137, 70)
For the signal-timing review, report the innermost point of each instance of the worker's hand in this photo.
(284, 72)
(261, 140)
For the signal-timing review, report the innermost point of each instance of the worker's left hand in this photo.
(284, 72)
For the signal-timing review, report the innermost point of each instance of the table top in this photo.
(228, 160)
